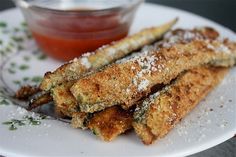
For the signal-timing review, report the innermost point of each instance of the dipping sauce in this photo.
(66, 39)
(67, 29)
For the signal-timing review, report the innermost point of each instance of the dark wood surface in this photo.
(220, 11)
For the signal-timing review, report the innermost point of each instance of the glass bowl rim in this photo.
(24, 4)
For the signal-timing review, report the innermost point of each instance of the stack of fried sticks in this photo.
(148, 81)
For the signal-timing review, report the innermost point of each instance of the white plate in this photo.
(213, 121)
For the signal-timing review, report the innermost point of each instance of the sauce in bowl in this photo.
(81, 37)
(68, 33)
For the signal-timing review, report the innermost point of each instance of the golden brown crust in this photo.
(65, 102)
(104, 56)
(44, 98)
(208, 32)
(80, 120)
(125, 83)
(144, 133)
(26, 91)
(110, 123)
(174, 102)
(120, 83)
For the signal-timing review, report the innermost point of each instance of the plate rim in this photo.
(200, 148)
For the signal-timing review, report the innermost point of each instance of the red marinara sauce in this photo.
(65, 38)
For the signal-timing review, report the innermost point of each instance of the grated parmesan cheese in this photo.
(222, 48)
(140, 110)
(143, 85)
(21, 111)
(85, 62)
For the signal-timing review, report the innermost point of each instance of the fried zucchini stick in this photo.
(159, 113)
(103, 56)
(81, 119)
(66, 104)
(126, 83)
(39, 100)
(26, 91)
(111, 122)
(107, 124)
(64, 101)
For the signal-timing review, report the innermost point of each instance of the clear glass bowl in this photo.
(66, 29)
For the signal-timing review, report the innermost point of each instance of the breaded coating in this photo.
(80, 120)
(43, 98)
(26, 91)
(111, 122)
(64, 101)
(103, 56)
(126, 83)
(159, 113)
